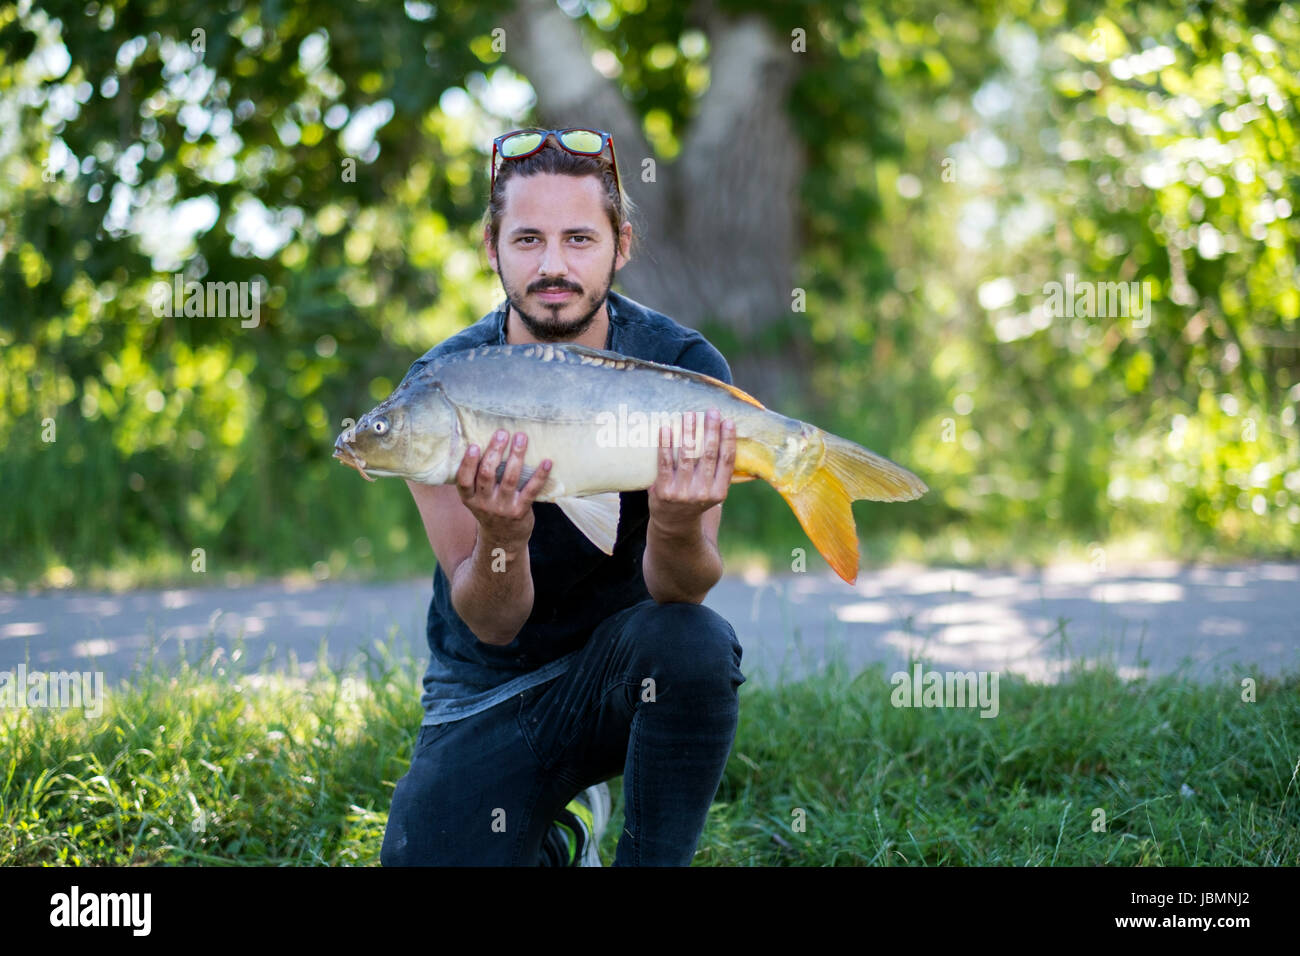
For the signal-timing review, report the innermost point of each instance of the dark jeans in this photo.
(651, 696)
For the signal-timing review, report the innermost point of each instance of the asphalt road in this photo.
(1154, 618)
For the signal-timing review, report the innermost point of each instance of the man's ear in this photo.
(624, 245)
(487, 245)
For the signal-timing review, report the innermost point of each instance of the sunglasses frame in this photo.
(605, 139)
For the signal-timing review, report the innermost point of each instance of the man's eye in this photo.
(583, 238)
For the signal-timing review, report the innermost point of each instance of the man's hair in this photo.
(551, 159)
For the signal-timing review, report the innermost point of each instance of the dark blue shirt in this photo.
(575, 584)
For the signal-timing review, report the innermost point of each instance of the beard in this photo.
(548, 326)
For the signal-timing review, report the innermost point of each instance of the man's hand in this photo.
(681, 560)
(691, 481)
(504, 511)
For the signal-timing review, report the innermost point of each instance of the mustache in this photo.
(555, 288)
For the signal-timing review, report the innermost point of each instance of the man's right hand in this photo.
(504, 510)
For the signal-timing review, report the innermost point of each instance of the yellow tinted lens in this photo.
(518, 145)
(583, 140)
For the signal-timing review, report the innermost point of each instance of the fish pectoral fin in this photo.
(596, 516)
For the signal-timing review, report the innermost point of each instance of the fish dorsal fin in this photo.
(584, 350)
(596, 516)
(738, 393)
(588, 351)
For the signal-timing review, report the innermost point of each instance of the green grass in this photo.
(887, 786)
(217, 762)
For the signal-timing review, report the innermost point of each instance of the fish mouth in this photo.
(344, 453)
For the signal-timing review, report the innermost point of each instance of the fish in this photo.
(596, 414)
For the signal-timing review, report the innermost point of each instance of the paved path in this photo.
(1241, 619)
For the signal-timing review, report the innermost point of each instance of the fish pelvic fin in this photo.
(825, 512)
(596, 516)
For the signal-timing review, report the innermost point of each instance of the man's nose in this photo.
(553, 262)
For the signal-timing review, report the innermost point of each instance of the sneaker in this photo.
(589, 811)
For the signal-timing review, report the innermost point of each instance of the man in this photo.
(561, 667)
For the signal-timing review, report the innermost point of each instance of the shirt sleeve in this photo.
(454, 344)
(415, 367)
(699, 355)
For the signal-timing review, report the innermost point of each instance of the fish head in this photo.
(411, 434)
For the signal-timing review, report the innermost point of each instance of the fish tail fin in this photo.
(864, 474)
(824, 511)
(823, 502)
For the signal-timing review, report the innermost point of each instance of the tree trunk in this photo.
(721, 221)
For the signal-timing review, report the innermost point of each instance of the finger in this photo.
(708, 463)
(514, 464)
(487, 469)
(727, 463)
(690, 448)
(533, 487)
(468, 468)
(665, 456)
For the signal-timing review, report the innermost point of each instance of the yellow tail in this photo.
(823, 503)
(822, 507)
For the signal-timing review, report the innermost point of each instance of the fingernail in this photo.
(473, 449)
(500, 436)
(519, 440)
(713, 414)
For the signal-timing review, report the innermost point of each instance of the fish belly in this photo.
(583, 462)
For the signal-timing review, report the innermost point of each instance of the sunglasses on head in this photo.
(522, 143)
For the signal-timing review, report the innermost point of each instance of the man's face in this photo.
(555, 235)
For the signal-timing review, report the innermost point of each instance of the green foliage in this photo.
(1107, 143)
(961, 157)
(198, 432)
(1144, 146)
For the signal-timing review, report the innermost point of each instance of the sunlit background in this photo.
(950, 165)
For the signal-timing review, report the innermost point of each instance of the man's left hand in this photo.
(691, 480)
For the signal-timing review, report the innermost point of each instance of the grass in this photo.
(214, 762)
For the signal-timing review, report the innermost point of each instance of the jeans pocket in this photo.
(528, 718)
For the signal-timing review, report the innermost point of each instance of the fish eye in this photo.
(380, 426)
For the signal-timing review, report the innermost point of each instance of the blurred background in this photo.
(870, 208)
